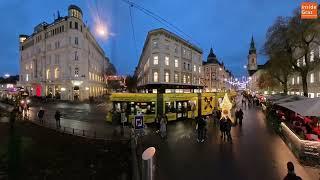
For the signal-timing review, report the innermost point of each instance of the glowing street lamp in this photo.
(7, 75)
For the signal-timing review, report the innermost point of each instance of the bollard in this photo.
(148, 164)
(83, 132)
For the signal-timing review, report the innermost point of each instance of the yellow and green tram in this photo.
(174, 105)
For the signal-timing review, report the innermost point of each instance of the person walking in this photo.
(240, 116)
(57, 116)
(236, 115)
(291, 174)
(228, 129)
(157, 123)
(40, 115)
(223, 128)
(163, 127)
(200, 129)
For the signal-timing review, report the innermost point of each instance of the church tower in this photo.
(252, 57)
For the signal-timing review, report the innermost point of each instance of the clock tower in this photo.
(252, 57)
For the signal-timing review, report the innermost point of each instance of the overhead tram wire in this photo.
(133, 32)
(161, 20)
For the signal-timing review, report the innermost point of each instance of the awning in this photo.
(290, 98)
(305, 107)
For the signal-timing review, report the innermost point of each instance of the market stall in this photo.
(300, 127)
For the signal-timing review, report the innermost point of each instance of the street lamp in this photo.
(7, 75)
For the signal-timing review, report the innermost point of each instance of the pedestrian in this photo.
(228, 128)
(157, 122)
(236, 115)
(215, 115)
(40, 115)
(240, 116)
(200, 129)
(57, 116)
(206, 126)
(291, 174)
(223, 128)
(163, 127)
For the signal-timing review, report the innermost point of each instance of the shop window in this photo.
(56, 73)
(312, 78)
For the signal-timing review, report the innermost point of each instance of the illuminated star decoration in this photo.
(226, 107)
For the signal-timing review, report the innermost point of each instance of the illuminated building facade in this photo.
(62, 59)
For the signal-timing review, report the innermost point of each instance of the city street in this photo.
(256, 153)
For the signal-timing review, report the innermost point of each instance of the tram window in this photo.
(142, 108)
(170, 107)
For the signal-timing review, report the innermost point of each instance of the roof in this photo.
(212, 58)
(72, 6)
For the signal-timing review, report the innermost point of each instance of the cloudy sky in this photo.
(226, 25)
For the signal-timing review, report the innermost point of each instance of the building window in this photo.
(48, 74)
(75, 56)
(293, 81)
(189, 67)
(90, 76)
(56, 73)
(76, 72)
(184, 66)
(155, 60)
(70, 24)
(155, 77)
(167, 77)
(176, 48)
(194, 80)
(155, 44)
(176, 77)
(311, 56)
(27, 77)
(75, 25)
(188, 79)
(57, 44)
(76, 41)
(57, 59)
(194, 68)
(176, 63)
(184, 79)
(298, 80)
(312, 78)
(199, 69)
(184, 51)
(166, 61)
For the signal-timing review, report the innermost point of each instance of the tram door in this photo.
(182, 109)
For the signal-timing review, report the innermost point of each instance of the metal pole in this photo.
(148, 164)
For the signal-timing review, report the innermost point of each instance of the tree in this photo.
(131, 83)
(266, 81)
(294, 39)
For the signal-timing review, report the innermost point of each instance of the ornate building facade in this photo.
(169, 64)
(62, 59)
(215, 76)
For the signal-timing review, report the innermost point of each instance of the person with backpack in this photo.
(40, 115)
(228, 126)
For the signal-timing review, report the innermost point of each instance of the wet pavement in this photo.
(256, 152)
(84, 116)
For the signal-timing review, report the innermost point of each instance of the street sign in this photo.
(138, 120)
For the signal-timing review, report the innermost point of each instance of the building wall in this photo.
(61, 57)
(163, 45)
(214, 77)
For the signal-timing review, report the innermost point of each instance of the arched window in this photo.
(48, 74)
(56, 73)
(76, 72)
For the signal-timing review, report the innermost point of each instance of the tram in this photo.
(176, 106)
